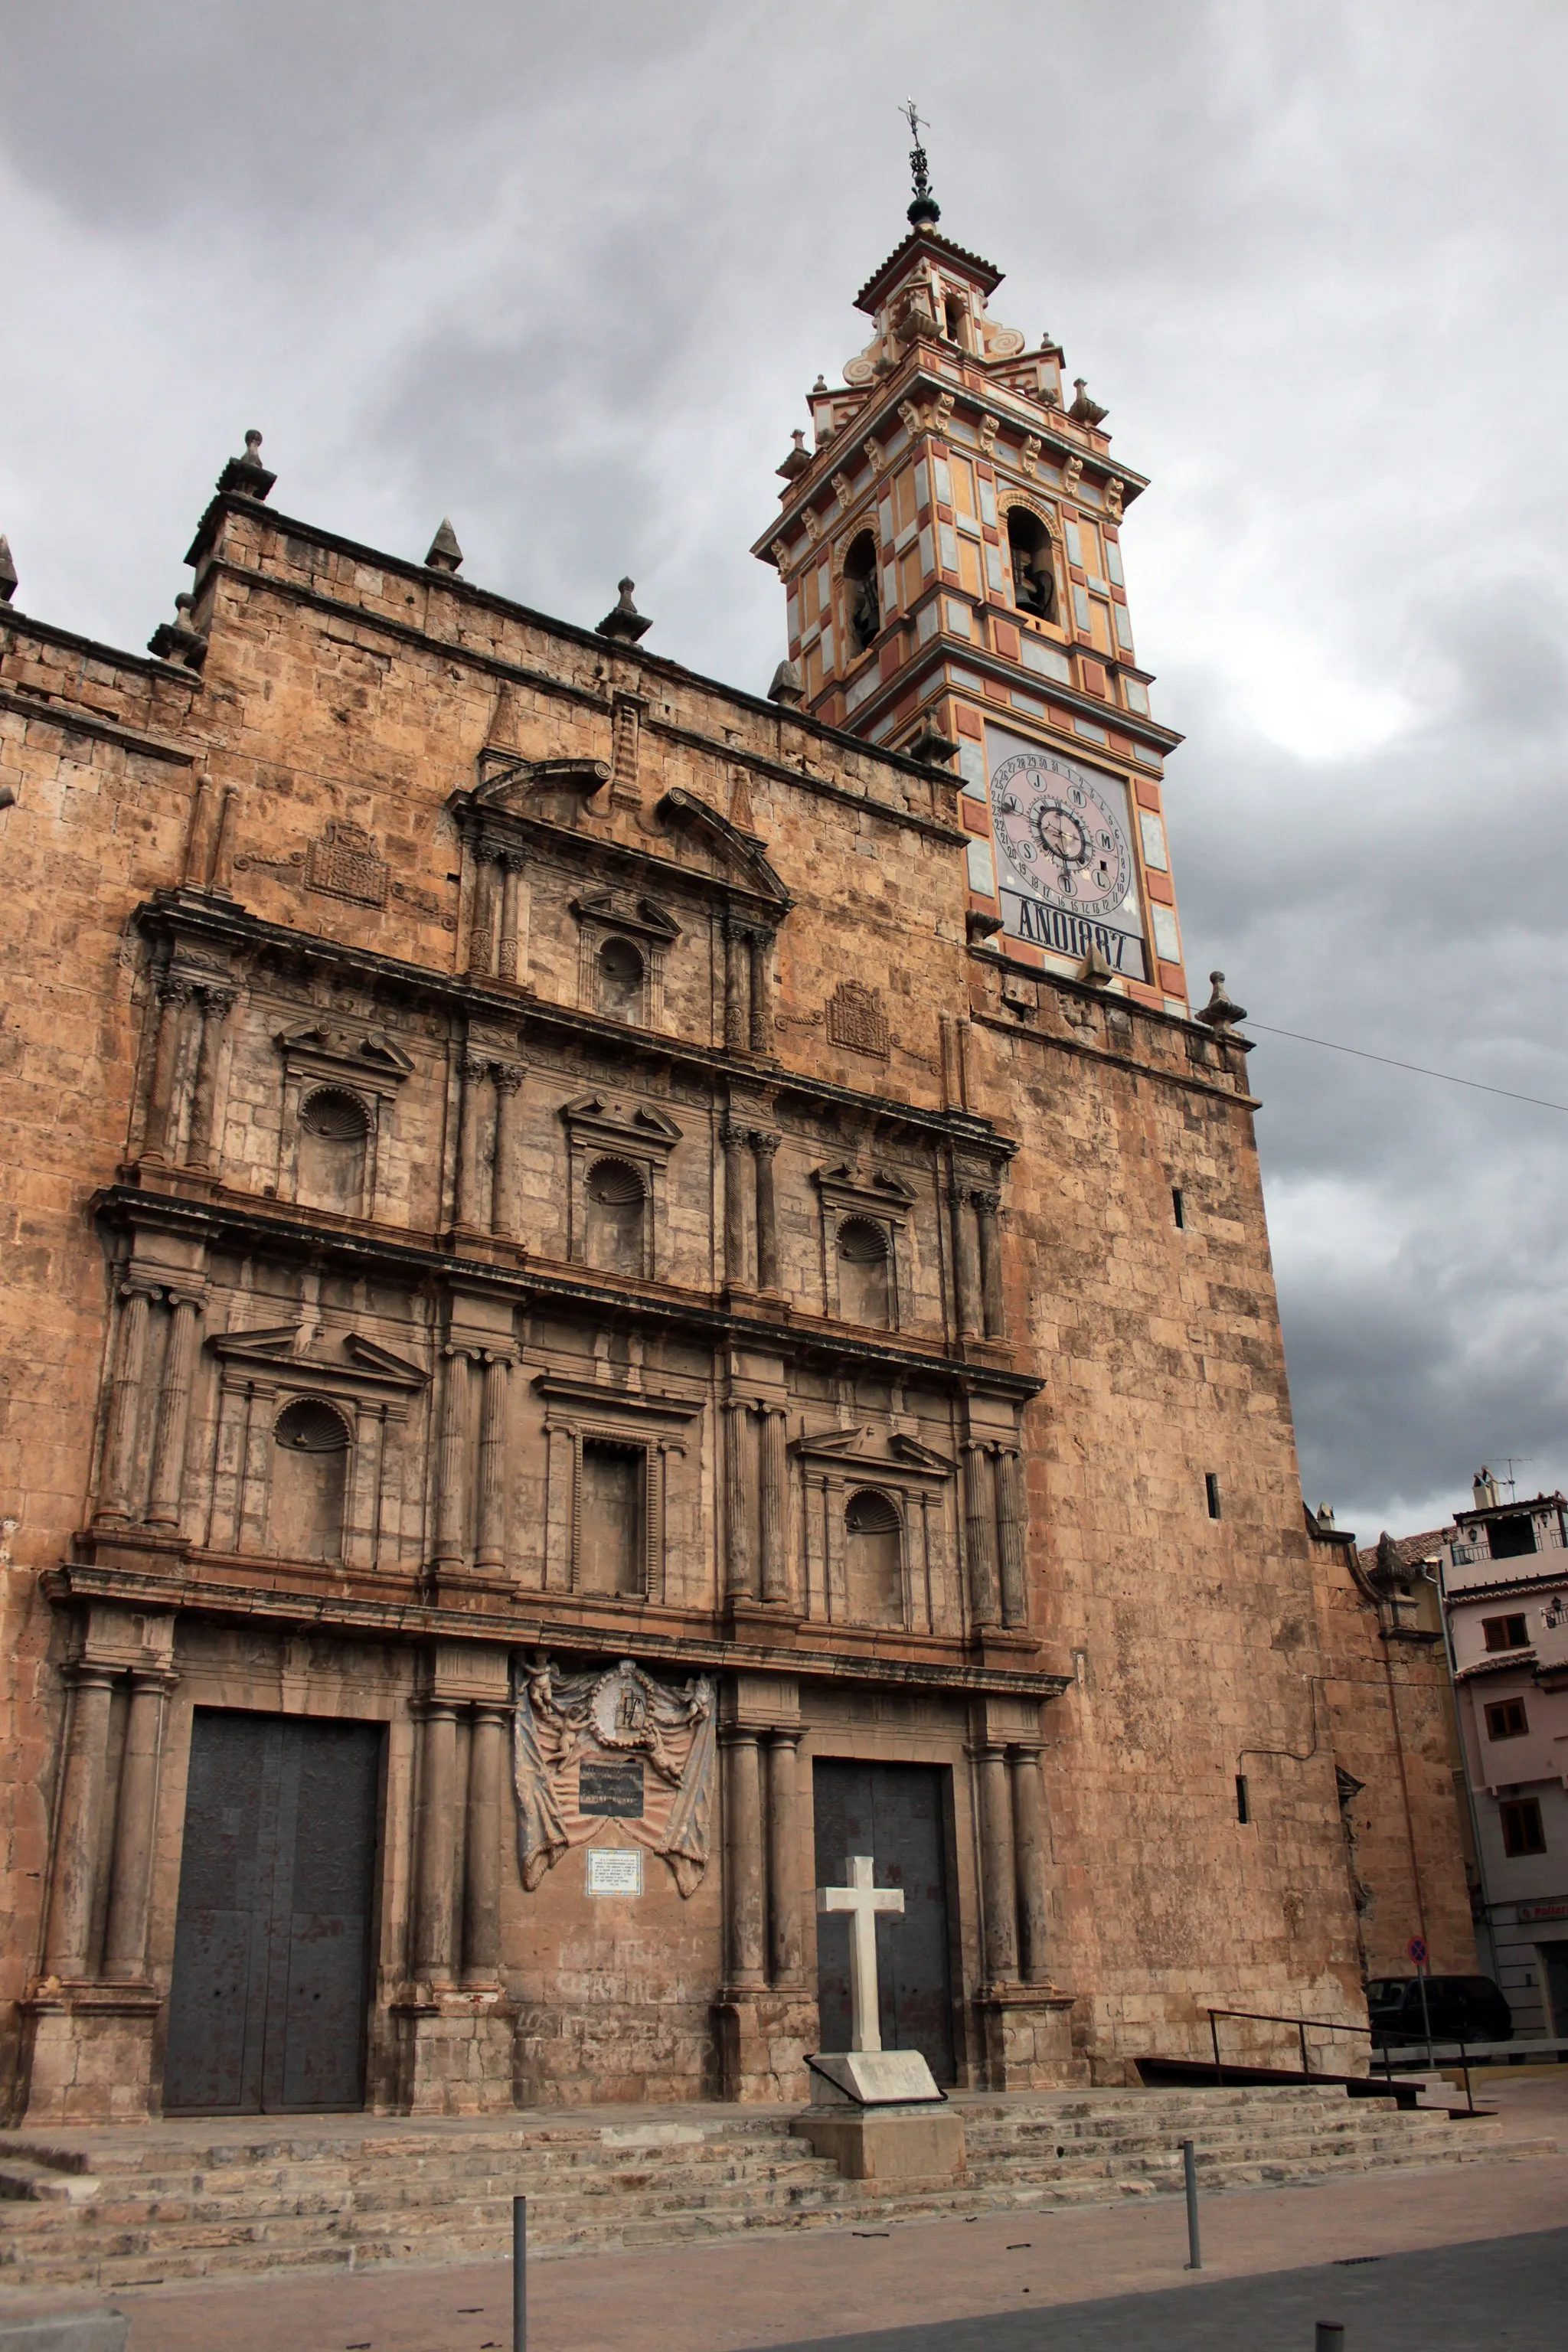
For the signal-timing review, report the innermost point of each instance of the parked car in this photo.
(1459, 2009)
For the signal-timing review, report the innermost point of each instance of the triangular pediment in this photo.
(641, 1120)
(361, 1364)
(275, 1341)
(377, 1359)
(872, 1454)
(350, 1049)
(847, 1181)
(625, 910)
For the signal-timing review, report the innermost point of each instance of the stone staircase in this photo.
(125, 2205)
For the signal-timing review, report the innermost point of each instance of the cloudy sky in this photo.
(564, 273)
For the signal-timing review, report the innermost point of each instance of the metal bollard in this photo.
(1190, 2171)
(519, 2274)
(1330, 2336)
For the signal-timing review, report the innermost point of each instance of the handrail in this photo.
(1386, 2034)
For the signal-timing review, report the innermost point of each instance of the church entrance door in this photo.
(273, 1937)
(898, 1814)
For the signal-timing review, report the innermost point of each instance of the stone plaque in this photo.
(615, 1870)
(344, 865)
(611, 1786)
(856, 1019)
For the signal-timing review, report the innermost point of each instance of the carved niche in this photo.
(864, 1492)
(865, 1222)
(623, 942)
(617, 1159)
(612, 1449)
(340, 1413)
(339, 1087)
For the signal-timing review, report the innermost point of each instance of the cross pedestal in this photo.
(877, 2112)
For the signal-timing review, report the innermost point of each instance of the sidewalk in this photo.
(812, 2288)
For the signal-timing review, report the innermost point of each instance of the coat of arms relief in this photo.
(614, 1747)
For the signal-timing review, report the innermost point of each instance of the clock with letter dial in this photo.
(1063, 831)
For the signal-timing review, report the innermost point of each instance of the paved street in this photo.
(1467, 2256)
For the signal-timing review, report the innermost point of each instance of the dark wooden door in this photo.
(272, 1942)
(898, 1814)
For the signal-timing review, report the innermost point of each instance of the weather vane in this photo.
(924, 211)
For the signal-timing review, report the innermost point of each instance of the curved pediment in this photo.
(517, 783)
(734, 856)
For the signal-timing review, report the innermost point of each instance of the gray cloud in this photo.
(566, 275)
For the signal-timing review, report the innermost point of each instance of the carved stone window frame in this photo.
(652, 1422)
(604, 915)
(367, 1066)
(836, 1465)
(645, 1137)
(258, 1376)
(884, 1201)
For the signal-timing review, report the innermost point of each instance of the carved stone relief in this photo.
(593, 1749)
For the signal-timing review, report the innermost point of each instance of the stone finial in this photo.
(798, 460)
(1085, 411)
(7, 572)
(444, 555)
(246, 476)
(788, 688)
(931, 746)
(180, 640)
(1219, 1012)
(623, 619)
(1094, 971)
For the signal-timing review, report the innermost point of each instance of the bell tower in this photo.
(951, 551)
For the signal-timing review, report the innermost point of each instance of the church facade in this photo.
(616, 1290)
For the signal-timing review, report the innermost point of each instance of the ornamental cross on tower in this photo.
(862, 1901)
(925, 208)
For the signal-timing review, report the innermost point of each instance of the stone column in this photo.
(481, 1883)
(504, 1195)
(434, 1843)
(78, 1829)
(471, 1207)
(135, 1827)
(1031, 1840)
(987, 1205)
(743, 1860)
(482, 934)
(174, 1412)
(510, 892)
(784, 1862)
(737, 1530)
(1011, 1528)
(491, 1550)
(773, 1491)
(998, 1897)
(735, 1024)
(760, 1020)
(735, 1144)
(965, 1276)
(763, 1146)
(980, 1531)
(125, 1404)
(450, 1463)
(215, 1006)
(173, 996)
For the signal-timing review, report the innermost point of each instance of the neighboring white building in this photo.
(1505, 1587)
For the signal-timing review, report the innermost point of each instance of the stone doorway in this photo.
(274, 1934)
(898, 1814)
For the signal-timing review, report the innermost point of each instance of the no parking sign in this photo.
(1416, 1948)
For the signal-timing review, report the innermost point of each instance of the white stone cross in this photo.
(862, 1901)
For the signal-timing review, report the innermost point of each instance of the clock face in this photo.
(1059, 830)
